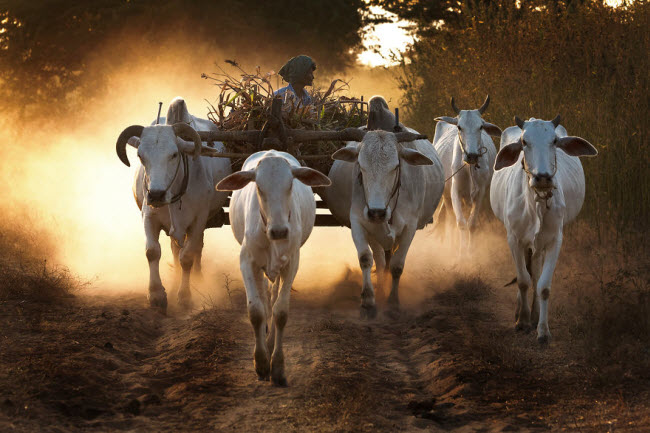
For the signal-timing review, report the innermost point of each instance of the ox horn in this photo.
(556, 121)
(519, 122)
(120, 147)
(408, 136)
(485, 104)
(186, 132)
(453, 106)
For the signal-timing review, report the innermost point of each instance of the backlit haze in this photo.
(66, 178)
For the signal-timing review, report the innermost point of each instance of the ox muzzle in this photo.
(471, 158)
(278, 233)
(542, 181)
(377, 215)
(156, 197)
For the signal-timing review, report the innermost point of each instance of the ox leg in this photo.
(253, 280)
(368, 305)
(197, 272)
(461, 223)
(280, 317)
(270, 339)
(537, 260)
(440, 218)
(478, 195)
(397, 265)
(381, 269)
(544, 286)
(522, 314)
(176, 250)
(189, 255)
(157, 295)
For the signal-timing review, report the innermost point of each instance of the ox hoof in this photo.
(544, 340)
(392, 313)
(280, 381)
(368, 311)
(158, 301)
(262, 365)
(522, 327)
(393, 303)
(185, 302)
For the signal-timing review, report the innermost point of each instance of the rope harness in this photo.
(541, 196)
(396, 187)
(186, 178)
(482, 151)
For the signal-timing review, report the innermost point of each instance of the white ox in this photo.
(272, 213)
(385, 188)
(538, 187)
(467, 153)
(175, 192)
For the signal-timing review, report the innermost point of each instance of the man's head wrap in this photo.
(296, 68)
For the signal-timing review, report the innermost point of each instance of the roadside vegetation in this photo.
(583, 60)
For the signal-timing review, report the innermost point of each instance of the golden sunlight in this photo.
(385, 42)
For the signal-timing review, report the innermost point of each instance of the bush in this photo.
(583, 60)
(25, 274)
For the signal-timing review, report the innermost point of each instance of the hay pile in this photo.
(244, 103)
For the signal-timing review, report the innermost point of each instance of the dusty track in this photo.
(451, 364)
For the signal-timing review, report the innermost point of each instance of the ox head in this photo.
(379, 115)
(379, 157)
(273, 178)
(470, 125)
(539, 140)
(160, 150)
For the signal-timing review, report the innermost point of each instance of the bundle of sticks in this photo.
(244, 103)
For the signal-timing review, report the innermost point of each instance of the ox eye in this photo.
(523, 142)
(459, 128)
(174, 155)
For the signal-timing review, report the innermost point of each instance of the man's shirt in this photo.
(289, 92)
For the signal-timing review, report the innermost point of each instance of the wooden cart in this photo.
(275, 135)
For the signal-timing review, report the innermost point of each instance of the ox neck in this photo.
(185, 181)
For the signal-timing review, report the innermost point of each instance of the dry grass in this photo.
(244, 103)
(25, 274)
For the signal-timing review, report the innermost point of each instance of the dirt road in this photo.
(450, 363)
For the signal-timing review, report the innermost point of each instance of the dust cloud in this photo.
(65, 175)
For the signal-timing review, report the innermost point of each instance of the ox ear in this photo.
(451, 120)
(310, 177)
(347, 154)
(508, 155)
(492, 129)
(576, 146)
(236, 181)
(413, 157)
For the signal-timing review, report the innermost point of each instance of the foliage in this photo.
(584, 60)
(45, 44)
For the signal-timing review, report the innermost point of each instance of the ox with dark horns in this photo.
(467, 154)
(175, 189)
(384, 188)
(538, 187)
